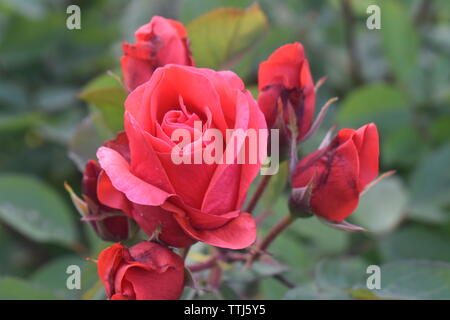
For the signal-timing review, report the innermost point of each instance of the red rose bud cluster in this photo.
(136, 180)
(329, 181)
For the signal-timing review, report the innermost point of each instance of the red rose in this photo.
(285, 78)
(110, 224)
(159, 42)
(146, 271)
(339, 172)
(187, 202)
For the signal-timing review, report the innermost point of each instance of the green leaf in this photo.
(265, 269)
(18, 289)
(416, 242)
(303, 292)
(430, 186)
(89, 136)
(321, 238)
(271, 289)
(311, 292)
(440, 130)
(55, 98)
(221, 36)
(407, 279)
(95, 292)
(288, 249)
(104, 90)
(53, 276)
(191, 9)
(382, 208)
(403, 141)
(35, 210)
(258, 270)
(19, 121)
(415, 280)
(240, 279)
(107, 95)
(379, 103)
(340, 273)
(400, 40)
(12, 255)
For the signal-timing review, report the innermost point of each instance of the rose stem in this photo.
(203, 265)
(285, 281)
(262, 216)
(212, 261)
(258, 193)
(215, 277)
(271, 236)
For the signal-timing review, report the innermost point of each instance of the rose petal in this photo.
(108, 262)
(110, 196)
(282, 67)
(366, 141)
(135, 189)
(190, 181)
(145, 163)
(228, 175)
(196, 89)
(155, 286)
(239, 233)
(150, 218)
(335, 194)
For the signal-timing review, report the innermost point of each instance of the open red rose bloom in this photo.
(190, 202)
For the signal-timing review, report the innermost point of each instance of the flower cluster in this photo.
(135, 182)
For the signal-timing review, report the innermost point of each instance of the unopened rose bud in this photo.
(337, 174)
(285, 82)
(159, 42)
(146, 271)
(110, 224)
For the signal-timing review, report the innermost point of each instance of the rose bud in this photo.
(110, 224)
(181, 203)
(159, 42)
(146, 271)
(329, 181)
(285, 81)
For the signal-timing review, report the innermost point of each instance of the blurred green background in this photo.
(397, 77)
